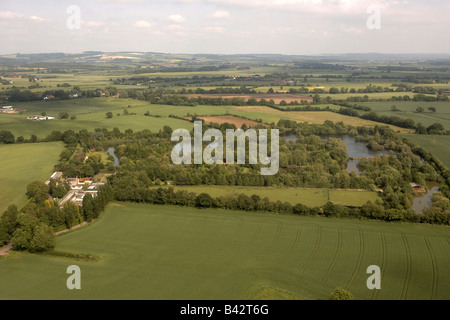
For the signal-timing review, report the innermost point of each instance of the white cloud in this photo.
(143, 24)
(220, 14)
(177, 18)
(321, 6)
(94, 24)
(215, 29)
(11, 15)
(175, 27)
(36, 18)
(19, 16)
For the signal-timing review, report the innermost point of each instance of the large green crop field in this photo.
(164, 252)
(408, 111)
(309, 197)
(437, 145)
(22, 164)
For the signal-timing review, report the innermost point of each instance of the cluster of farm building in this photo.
(79, 188)
(10, 110)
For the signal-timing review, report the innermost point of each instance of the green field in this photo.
(408, 111)
(309, 197)
(88, 116)
(164, 252)
(437, 145)
(22, 164)
(74, 106)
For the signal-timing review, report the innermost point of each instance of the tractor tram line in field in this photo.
(383, 260)
(434, 273)
(311, 255)
(359, 260)
(335, 255)
(290, 251)
(407, 278)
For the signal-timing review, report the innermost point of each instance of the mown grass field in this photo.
(437, 145)
(309, 197)
(21, 165)
(171, 253)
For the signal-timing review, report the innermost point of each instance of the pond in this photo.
(355, 149)
(424, 200)
(112, 152)
(358, 149)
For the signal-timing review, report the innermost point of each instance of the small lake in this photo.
(112, 152)
(358, 149)
(355, 149)
(425, 200)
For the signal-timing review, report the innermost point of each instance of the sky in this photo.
(298, 27)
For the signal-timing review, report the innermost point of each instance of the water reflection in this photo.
(358, 149)
(424, 200)
(355, 149)
(112, 152)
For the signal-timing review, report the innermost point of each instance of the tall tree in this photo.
(88, 207)
(43, 239)
(6, 137)
(37, 190)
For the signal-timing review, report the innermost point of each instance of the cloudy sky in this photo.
(225, 26)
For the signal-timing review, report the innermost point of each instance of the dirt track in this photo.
(4, 250)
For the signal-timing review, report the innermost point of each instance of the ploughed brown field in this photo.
(238, 122)
(277, 98)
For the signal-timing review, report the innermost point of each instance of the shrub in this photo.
(341, 294)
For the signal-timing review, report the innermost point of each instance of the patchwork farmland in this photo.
(132, 243)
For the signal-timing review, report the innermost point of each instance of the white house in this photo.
(40, 118)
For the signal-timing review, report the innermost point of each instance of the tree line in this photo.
(254, 203)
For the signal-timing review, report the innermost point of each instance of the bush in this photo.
(341, 294)
(204, 200)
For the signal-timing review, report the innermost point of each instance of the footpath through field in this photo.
(5, 249)
(73, 228)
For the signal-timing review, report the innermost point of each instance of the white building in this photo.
(40, 118)
(7, 109)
